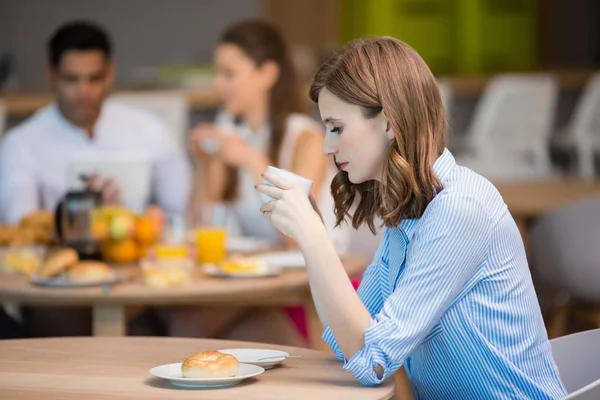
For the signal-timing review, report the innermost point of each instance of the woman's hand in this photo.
(291, 212)
(208, 140)
(204, 140)
(235, 152)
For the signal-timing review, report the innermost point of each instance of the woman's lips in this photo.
(342, 165)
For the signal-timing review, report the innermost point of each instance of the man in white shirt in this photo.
(34, 156)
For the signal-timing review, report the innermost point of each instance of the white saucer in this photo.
(213, 270)
(244, 244)
(284, 259)
(250, 356)
(172, 373)
(63, 281)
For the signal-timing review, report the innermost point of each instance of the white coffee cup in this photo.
(209, 146)
(297, 180)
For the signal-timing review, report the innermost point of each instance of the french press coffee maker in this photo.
(74, 217)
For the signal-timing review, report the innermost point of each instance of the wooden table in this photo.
(21, 105)
(288, 288)
(528, 201)
(473, 85)
(117, 368)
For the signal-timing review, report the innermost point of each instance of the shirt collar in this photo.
(66, 124)
(442, 167)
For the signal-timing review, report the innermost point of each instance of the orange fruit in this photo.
(146, 230)
(100, 228)
(155, 214)
(122, 251)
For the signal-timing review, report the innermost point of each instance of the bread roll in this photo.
(40, 219)
(58, 262)
(210, 364)
(87, 271)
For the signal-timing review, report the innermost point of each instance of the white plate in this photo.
(251, 356)
(284, 259)
(63, 281)
(172, 373)
(213, 270)
(242, 244)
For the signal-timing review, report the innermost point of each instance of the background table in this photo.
(530, 200)
(117, 368)
(288, 288)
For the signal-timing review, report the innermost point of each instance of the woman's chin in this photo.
(355, 179)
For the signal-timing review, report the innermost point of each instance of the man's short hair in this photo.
(79, 36)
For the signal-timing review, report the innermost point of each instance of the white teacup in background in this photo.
(297, 180)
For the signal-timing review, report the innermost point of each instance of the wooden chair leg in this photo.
(403, 388)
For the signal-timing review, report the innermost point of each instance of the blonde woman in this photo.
(449, 296)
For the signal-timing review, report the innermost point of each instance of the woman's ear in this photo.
(389, 131)
(270, 73)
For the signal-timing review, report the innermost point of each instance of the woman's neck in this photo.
(257, 117)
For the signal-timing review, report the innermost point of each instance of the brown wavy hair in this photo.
(384, 74)
(262, 41)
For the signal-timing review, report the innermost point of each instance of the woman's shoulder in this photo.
(463, 205)
(465, 188)
(298, 123)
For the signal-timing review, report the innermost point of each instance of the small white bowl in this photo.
(252, 356)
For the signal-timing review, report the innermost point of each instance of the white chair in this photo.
(170, 106)
(2, 118)
(566, 256)
(447, 99)
(583, 132)
(508, 137)
(577, 357)
(446, 94)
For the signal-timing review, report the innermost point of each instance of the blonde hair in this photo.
(386, 75)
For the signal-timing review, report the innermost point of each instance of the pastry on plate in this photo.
(239, 265)
(210, 364)
(89, 271)
(43, 220)
(58, 262)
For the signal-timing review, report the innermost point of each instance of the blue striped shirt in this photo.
(451, 298)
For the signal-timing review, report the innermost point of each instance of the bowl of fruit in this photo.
(125, 235)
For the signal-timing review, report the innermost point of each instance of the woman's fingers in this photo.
(271, 191)
(267, 207)
(278, 181)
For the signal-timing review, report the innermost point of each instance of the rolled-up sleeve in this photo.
(447, 248)
(331, 342)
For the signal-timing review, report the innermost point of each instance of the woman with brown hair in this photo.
(448, 296)
(261, 123)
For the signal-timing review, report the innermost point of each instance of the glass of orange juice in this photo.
(210, 233)
(173, 243)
